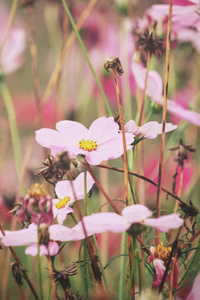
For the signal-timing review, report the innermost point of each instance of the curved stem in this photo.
(13, 125)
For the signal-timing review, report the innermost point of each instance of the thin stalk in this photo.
(85, 193)
(179, 189)
(100, 262)
(145, 87)
(101, 188)
(21, 267)
(21, 292)
(34, 59)
(53, 286)
(158, 205)
(131, 243)
(172, 277)
(94, 267)
(11, 21)
(143, 178)
(86, 56)
(122, 267)
(125, 158)
(39, 270)
(13, 125)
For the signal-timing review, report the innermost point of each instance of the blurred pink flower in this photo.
(149, 130)
(11, 57)
(160, 255)
(154, 91)
(65, 194)
(195, 292)
(102, 141)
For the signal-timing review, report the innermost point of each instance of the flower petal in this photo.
(136, 213)
(165, 222)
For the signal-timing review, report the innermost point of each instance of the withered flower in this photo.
(56, 168)
(182, 152)
(16, 272)
(117, 120)
(44, 235)
(191, 212)
(53, 169)
(114, 63)
(148, 42)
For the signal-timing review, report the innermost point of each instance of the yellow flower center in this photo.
(36, 191)
(162, 252)
(88, 145)
(62, 202)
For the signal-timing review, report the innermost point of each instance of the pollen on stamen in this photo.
(88, 145)
(62, 202)
(162, 252)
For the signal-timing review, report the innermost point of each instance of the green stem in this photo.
(189, 267)
(122, 267)
(87, 57)
(100, 261)
(13, 125)
(85, 193)
(39, 269)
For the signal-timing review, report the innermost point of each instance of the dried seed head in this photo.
(56, 168)
(62, 277)
(182, 152)
(147, 42)
(114, 63)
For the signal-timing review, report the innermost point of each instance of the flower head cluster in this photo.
(36, 205)
(160, 255)
(102, 141)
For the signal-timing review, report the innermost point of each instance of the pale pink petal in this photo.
(102, 222)
(177, 110)
(61, 214)
(72, 131)
(64, 188)
(102, 129)
(160, 269)
(164, 223)
(20, 237)
(150, 130)
(154, 81)
(49, 137)
(131, 127)
(33, 250)
(53, 248)
(136, 213)
(62, 233)
(195, 292)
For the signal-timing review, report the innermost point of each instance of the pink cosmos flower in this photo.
(149, 130)
(102, 141)
(154, 91)
(159, 255)
(65, 195)
(11, 57)
(133, 214)
(28, 236)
